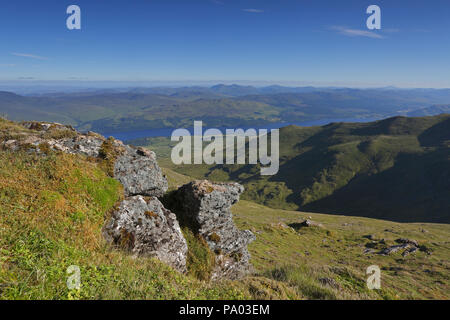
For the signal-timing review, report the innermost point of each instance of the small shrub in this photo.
(150, 214)
(214, 237)
(44, 147)
(59, 133)
(200, 259)
(109, 153)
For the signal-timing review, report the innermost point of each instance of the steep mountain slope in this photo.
(396, 169)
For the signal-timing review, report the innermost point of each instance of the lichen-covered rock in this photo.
(310, 223)
(45, 126)
(139, 173)
(145, 228)
(408, 241)
(205, 207)
(81, 144)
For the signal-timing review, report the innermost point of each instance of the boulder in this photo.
(408, 241)
(393, 249)
(139, 173)
(144, 227)
(205, 208)
(81, 144)
(310, 223)
(409, 251)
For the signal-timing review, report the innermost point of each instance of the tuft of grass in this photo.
(200, 259)
(52, 210)
(214, 237)
(109, 153)
(301, 279)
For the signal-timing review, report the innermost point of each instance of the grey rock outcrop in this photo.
(135, 168)
(310, 223)
(140, 224)
(88, 145)
(145, 228)
(393, 249)
(205, 207)
(410, 246)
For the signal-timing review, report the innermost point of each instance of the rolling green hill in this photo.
(396, 169)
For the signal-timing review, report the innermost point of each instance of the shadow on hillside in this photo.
(415, 189)
(436, 135)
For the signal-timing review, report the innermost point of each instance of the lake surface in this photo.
(167, 132)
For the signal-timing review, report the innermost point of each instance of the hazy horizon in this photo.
(68, 85)
(291, 43)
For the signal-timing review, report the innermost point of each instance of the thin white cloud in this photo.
(356, 32)
(391, 30)
(253, 10)
(28, 55)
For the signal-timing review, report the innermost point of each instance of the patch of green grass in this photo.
(303, 281)
(302, 257)
(109, 152)
(175, 179)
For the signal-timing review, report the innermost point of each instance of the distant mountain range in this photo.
(129, 109)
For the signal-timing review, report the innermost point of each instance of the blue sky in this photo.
(303, 42)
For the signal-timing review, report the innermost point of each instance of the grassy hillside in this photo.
(51, 213)
(396, 169)
(52, 209)
(328, 262)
